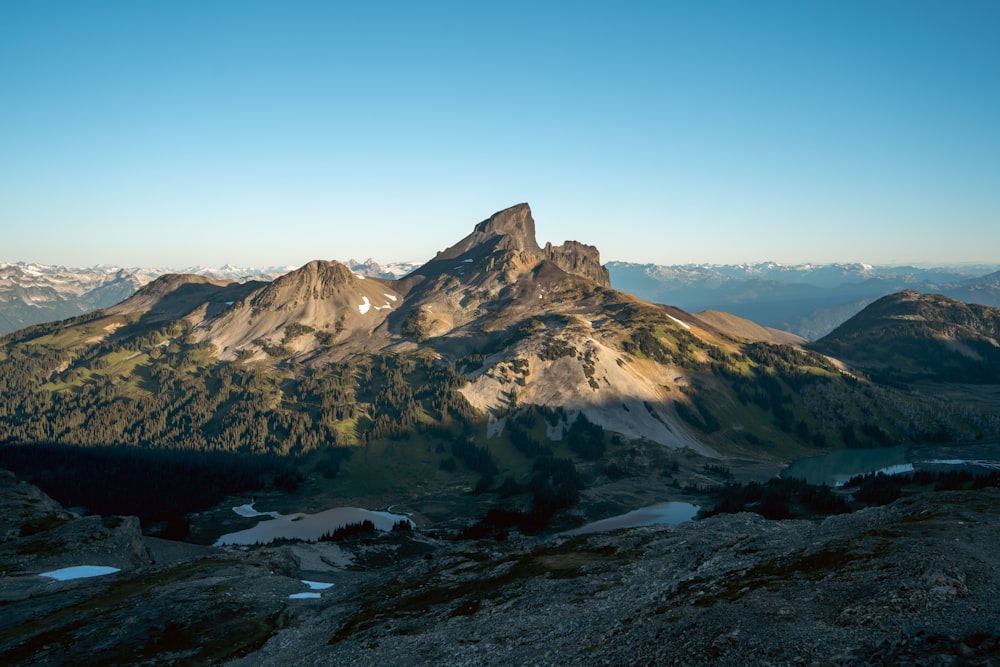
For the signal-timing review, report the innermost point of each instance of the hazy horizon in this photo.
(252, 134)
(982, 268)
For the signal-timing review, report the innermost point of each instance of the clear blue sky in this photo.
(271, 133)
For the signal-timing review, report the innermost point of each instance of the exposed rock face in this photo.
(516, 225)
(25, 509)
(510, 229)
(316, 280)
(632, 398)
(513, 230)
(37, 534)
(321, 301)
(580, 259)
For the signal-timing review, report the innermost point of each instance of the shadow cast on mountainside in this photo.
(179, 301)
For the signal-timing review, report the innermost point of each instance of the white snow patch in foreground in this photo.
(391, 297)
(304, 596)
(678, 321)
(359, 276)
(316, 585)
(366, 306)
(80, 572)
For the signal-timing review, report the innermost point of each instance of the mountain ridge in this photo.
(494, 317)
(909, 335)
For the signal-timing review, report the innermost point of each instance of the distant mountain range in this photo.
(810, 300)
(36, 293)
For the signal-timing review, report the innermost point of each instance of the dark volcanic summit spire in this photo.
(510, 229)
(514, 223)
(513, 229)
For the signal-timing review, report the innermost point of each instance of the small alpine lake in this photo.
(79, 572)
(301, 526)
(670, 513)
(837, 467)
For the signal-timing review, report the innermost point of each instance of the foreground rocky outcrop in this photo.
(914, 582)
(168, 603)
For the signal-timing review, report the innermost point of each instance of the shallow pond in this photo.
(305, 526)
(670, 513)
(79, 572)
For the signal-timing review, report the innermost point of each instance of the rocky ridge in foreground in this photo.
(913, 581)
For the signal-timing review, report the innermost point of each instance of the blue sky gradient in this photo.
(265, 133)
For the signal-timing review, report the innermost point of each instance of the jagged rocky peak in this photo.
(510, 229)
(516, 225)
(513, 229)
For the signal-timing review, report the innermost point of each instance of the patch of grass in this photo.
(397, 468)
(348, 429)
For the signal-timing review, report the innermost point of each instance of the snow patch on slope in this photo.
(683, 324)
